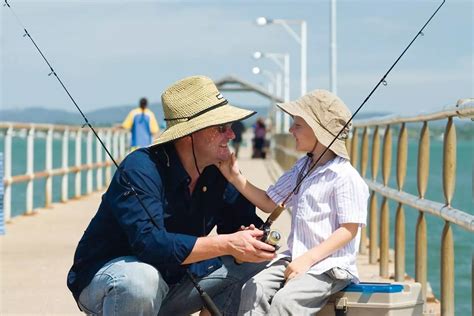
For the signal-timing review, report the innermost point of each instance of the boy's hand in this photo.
(297, 267)
(229, 168)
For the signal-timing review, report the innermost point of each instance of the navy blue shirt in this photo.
(122, 227)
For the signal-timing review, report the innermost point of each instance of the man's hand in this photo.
(251, 227)
(297, 267)
(245, 246)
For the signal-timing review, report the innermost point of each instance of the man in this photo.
(142, 124)
(152, 225)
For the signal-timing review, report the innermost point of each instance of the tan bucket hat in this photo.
(194, 103)
(326, 114)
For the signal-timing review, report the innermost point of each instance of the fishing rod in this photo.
(279, 209)
(205, 298)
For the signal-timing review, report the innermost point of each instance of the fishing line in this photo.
(345, 129)
(206, 300)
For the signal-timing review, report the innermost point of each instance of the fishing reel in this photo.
(270, 236)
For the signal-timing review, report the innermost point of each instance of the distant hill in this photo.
(113, 115)
(102, 117)
(40, 115)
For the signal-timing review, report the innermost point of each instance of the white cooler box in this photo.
(376, 299)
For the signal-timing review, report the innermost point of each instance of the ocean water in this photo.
(463, 199)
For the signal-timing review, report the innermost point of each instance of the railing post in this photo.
(98, 159)
(447, 250)
(123, 146)
(49, 167)
(363, 170)
(65, 166)
(353, 148)
(373, 237)
(364, 157)
(402, 154)
(349, 144)
(447, 271)
(420, 254)
(78, 153)
(30, 158)
(89, 181)
(422, 181)
(423, 166)
(449, 161)
(385, 212)
(7, 193)
(108, 173)
(115, 145)
(387, 155)
(384, 238)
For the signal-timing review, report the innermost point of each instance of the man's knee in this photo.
(141, 282)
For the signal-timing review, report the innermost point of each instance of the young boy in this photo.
(327, 211)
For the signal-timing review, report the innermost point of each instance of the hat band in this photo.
(188, 118)
(341, 135)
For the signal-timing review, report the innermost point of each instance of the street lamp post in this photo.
(333, 53)
(283, 62)
(300, 39)
(276, 80)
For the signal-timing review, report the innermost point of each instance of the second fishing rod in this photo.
(266, 227)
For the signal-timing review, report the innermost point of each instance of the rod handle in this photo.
(209, 304)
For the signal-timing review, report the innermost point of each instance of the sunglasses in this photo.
(224, 128)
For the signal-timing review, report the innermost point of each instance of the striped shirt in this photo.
(332, 194)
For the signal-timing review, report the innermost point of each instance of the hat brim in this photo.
(221, 115)
(294, 108)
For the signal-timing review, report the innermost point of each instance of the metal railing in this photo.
(379, 249)
(115, 140)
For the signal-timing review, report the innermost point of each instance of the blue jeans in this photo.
(126, 286)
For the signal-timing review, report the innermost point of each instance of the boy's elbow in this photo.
(351, 228)
(271, 206)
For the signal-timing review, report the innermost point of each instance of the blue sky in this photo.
(111, 53)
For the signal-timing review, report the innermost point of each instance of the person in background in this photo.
(260, 131)
(142, 124)
(328, 208)
(238, 128)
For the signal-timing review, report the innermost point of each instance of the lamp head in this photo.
(257, 55)
(261, 21)
(256, 70)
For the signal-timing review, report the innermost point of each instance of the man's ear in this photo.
(184, 140)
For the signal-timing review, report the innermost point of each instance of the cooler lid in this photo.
(368, 287)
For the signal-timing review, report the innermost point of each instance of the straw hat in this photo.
(326, 114)
(194, 103)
